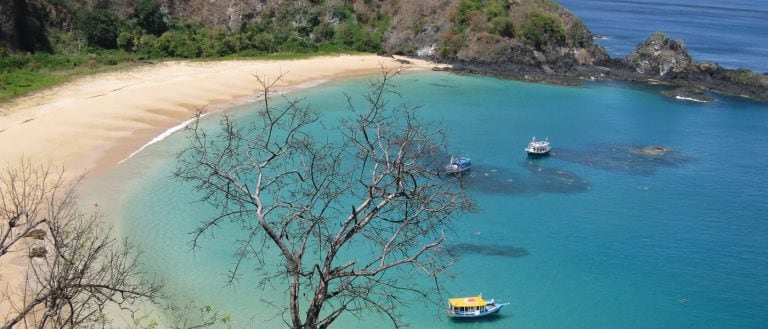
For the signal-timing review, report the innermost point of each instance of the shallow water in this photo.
(600, 234)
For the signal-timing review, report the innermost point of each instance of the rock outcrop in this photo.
(662, 60)
(659, 55)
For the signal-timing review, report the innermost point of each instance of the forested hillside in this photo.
(200, 28)
(38, 36)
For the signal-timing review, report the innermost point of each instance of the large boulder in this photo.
(659, 55)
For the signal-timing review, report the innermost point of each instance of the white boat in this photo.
(538, 148)
(458, 164)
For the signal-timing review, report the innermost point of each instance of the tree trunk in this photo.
(294, 302)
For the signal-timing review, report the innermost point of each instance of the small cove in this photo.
(597, 234)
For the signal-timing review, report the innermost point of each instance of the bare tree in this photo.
(23, 193)
(355, 214)
(82, 270)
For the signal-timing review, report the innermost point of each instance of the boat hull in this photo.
(537, 154)
(489, 310)
(458, 165)
(470, 316)
(452, 170)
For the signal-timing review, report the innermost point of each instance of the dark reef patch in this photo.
(539, 179)
(630, 159)
(460, 249)
(443, 85)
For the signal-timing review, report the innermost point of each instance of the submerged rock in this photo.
(649, 150)
(689, 94)
(641, 160)
(539, 178)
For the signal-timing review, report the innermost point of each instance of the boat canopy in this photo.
(476, 301)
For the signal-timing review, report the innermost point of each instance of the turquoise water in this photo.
(599, 235)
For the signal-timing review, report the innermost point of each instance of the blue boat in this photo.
(458, 164)
(473, 307)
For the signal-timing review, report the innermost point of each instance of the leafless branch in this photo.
(84, 267)
(365, 185)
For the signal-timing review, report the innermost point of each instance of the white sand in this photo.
(93, 123)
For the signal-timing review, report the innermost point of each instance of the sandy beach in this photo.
(89, 125)
(92, 123)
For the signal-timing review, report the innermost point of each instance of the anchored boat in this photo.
(458, 164)
(538, 148)
(473, 307)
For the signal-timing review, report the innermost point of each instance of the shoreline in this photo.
(93, 123)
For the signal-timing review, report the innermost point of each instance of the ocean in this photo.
(730, 33)
(601, 234)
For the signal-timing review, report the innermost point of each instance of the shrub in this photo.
(149, 16)
(576, 34)
(503, 26)
(100, 28)
(540, 30)
(296, 44)
(323, 32)
(450, 45)
(343, 11)
(264, 42)
(496, 8)
(466, 10)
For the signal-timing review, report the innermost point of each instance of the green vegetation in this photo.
(24, 73)
(748, 78)
(102, 40)
(477, 16)
(540, 30)
(100, 28)
(86, 37)
(468, 9)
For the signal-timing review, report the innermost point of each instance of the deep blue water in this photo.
(731, 33)
(599, 235)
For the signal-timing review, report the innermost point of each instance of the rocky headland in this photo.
(660, 59)
(657, 60)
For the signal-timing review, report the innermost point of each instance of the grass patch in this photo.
(23, 74)
(24, 81)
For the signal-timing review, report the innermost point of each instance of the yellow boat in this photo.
(473, 307)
